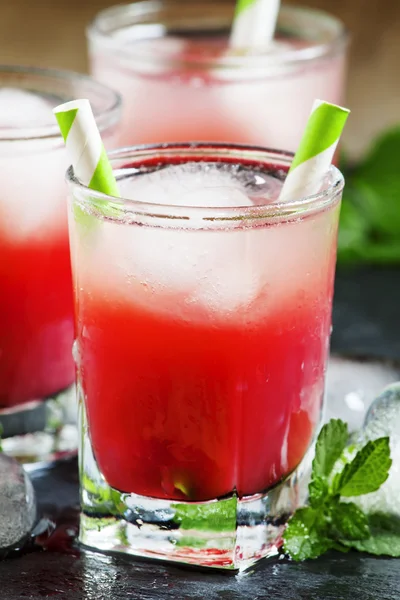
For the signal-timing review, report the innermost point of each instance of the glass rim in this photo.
(288, 57)
(298, 207)
(104, 118)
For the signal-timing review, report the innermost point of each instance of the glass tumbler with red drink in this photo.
(181, 78)
(37, 398)
(203, 316)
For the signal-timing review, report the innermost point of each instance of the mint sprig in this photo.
(367, 471)
(329, 447)
(370, 220)
(384, 538)
(329, 523)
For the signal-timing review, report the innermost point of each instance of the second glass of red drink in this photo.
(37, 396)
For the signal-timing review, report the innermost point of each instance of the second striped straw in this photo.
(316, 151)
(85, 147)
(254, 24)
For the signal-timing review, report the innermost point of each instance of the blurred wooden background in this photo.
(51, 33)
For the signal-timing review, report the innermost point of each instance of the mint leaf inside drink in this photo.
(367, 471)
(217, 517)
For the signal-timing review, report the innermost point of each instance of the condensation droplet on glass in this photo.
(75, 352)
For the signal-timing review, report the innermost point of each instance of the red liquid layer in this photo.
(36, 322)
(193, 410)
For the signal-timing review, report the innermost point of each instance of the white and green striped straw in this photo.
(315, 152)
(254, 24)
(85, 146)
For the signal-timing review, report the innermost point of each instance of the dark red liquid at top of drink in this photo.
(195, 408)
(36, 318)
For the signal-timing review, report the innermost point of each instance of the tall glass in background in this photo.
(37, 407)
(170, 62)
(202, 340)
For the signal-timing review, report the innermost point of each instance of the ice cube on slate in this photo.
(383, 419)
(17, 503)
(352, 385)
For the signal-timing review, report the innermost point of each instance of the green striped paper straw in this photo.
(315, 152)
(254, 24)
(85, 147)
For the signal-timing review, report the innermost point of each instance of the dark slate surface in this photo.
(366, 315)
(92, 577)
(365, 323)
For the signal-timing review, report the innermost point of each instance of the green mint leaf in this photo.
(330, 444)
(193, 542)
(378, 178)
(340, 547)
(218, 516)
(304, 536)
(317, 492)
(353, 229)
(367, 471)
(382, 252)
(349, 522)
(385, 536)
(370, 219)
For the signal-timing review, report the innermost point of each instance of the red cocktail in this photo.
(180, 80)
(209, 404)
(36, 300)
(203, 314)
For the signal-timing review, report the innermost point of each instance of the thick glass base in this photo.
(41, 432)
(230, 533)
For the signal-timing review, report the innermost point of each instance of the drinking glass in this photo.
(171, 62)
(37, 399)
(201, 345)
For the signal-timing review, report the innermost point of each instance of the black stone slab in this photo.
(366, 315)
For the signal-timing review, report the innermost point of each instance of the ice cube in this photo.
(383, 419)
(217, 267)
(352, 385)
(32, 197)
(20, 108)
(178, 264)
(17, 503)
(190, 184)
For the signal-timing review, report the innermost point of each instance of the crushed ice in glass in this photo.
(23, 108)
(200, 184)
(17, 503)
